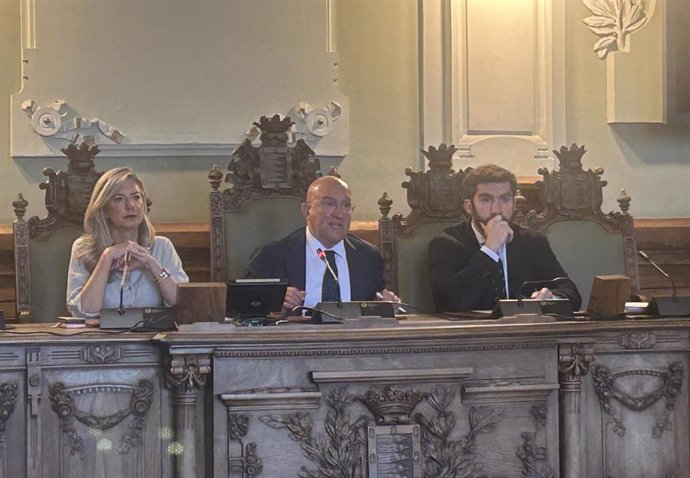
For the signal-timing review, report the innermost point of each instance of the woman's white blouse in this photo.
(140, 288)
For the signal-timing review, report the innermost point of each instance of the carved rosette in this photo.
(65, 405)
(609, 388)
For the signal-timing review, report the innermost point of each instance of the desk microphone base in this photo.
(334, 312)
(142, 319)
(560, 308)
(668, 306)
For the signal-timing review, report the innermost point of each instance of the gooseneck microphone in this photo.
(322, 256)
(644, 256)
(121, 309)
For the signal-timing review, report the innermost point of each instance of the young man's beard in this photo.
(481, 223)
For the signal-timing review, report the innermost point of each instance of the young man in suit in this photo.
(477, 262)
(300, 258)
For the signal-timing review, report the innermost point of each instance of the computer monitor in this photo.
(254, 298)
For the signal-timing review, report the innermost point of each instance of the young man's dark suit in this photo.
(286, 259)
(465, 278)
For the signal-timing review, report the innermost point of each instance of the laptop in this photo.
(249, 299)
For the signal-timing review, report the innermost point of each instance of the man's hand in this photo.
(543, 293)
(293, 298)
(497, 232)
(387, 296)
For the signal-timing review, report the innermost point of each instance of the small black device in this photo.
(560, 308)
(254, 298)
(142, 319)
(336, 312)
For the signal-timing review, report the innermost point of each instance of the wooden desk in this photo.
(572, 399)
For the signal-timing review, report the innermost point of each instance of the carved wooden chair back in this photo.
(586, 241)
(268, 184)
(435, 199)
(42, 246)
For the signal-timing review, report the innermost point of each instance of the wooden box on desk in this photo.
(201, 302)
(608, 296)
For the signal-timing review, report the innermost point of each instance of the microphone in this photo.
(322, 256)
(673, 305)
(121, 309)
(644, 256)
(538, 284)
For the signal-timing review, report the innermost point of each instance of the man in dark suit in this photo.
(309, 257)
(477, 262)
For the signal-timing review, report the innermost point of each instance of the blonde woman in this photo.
(117, 231)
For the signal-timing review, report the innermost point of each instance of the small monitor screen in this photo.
(254, 297)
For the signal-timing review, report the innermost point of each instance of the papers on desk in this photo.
(635, 307)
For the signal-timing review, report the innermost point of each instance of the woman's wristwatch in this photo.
(162, 275)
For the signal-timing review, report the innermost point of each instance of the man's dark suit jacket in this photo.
(465, 278)
(286, 259)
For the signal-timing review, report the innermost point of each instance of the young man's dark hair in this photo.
(487, 173)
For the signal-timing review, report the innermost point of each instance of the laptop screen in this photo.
(254, 297)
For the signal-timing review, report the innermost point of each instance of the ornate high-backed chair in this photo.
(42, 246)
(586, 241)
(268, 185)
(435, 197)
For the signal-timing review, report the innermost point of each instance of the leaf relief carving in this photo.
(615, 20)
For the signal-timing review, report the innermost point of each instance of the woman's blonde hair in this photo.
(97, 235)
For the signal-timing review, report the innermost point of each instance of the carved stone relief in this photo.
(610, 389)
(8, 399)
(59, 121)
(638, 340)
(187, 373)
(63, 403)
(531, 454)
(615, 20)
(398, 442)
(101, 353)
(314, 123)
(248, 464)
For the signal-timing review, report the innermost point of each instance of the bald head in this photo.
(328, 210)
(325, 183)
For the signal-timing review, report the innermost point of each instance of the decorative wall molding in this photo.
(454, 37)
(59, 121)
(174, 96)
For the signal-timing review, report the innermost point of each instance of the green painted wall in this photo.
(378, 48)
